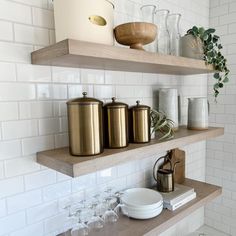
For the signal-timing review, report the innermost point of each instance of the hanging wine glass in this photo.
(163, 36)
(95, 222)
(173, 27)
(80, 228)
(110, 215)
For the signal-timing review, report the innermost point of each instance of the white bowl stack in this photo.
(141, 203)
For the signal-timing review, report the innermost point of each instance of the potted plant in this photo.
(161, 126)
(201, 43)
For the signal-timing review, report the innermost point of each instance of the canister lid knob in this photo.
(113, 99)
(138, 103)
(84, 94)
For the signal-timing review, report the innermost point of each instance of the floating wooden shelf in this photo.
(126, 226)
(73, 53)
(60, 159)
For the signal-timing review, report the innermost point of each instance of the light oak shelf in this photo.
(60, 159)
(126, 226)
(73, 53)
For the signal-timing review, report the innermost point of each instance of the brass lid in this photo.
(84, 100)
(140, 107)
(115, 104)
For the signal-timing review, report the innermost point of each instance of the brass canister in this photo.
(116, 124)
(85, 120)
(140, 123)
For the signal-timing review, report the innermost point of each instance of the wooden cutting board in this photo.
(177, 155)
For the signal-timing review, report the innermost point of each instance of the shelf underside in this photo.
(126, 226)
(73, 53)
(61, 161)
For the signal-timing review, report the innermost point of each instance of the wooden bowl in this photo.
(135, 34)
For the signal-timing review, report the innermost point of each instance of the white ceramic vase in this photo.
(198, 112)
(168, 103)
(191, 47)
(85, 20)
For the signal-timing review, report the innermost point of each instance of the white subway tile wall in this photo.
(33, 116)
(221, 153)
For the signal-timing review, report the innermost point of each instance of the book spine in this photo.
(179, 198)
(181, 203)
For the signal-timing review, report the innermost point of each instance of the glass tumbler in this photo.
(173, 21)
(163, 36)
(147, 15)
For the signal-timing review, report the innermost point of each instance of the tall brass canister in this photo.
(140, 123)
(116, 124)
(85, 126)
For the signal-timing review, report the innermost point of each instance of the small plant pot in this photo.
(192, 47)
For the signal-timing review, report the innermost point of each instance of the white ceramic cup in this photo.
(168, 103)
(198, 112)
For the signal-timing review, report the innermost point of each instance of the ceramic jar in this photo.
(168, 103)
(198, 112)
(85, 122)
(116, 124)
(191, 47)
(140, 122)
(85, 20)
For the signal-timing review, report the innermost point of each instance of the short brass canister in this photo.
(140, 123)
(116, 124)
(85, 126)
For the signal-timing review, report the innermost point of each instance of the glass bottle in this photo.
(163, 36)
(173, 27)
(148, 12)
(147, 15)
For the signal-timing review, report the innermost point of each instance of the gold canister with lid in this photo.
(85, 120)
(140, 123)
(116, 124)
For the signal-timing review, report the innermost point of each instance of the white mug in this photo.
(198, 112)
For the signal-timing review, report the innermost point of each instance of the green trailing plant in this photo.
(213, 55)
(161, 125)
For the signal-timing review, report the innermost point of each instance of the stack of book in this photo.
(180, 196)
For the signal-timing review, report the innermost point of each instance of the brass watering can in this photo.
(165, 177)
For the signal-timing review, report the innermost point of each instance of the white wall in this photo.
(33, 116)
(221, 153)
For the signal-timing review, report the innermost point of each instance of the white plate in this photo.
(144, 216)
(142, 209)
(142, 198)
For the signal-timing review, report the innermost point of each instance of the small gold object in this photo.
(97, 20)
(116, 124)
(140, 123)
(85, 126)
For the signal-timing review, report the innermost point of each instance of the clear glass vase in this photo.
(163, 36)
(147, 15)
(173, 27)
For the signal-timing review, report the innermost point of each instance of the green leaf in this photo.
(210, 46)
(226, 80)
(201, 30)
(210, 54)
(216, 86)
(211, 31)
(220, 46)
(195, 29)
(215, 38)
(216, 75)
(205, 36)
(221, 85)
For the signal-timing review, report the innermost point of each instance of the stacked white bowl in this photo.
(141, 203)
